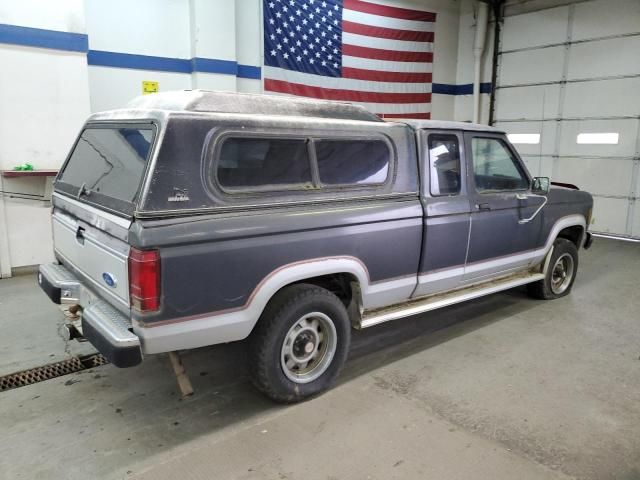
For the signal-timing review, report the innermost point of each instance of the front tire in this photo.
(300, 343)
(561, 273)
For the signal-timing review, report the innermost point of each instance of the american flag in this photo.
(374, 55)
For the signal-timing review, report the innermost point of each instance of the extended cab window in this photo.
(444, 164)
(264, 163)
(107, 165)
(495, 168)
(352, 162)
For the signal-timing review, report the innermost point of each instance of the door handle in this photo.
(483, 206)
(80, 235)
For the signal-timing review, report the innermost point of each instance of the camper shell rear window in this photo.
(107, 165)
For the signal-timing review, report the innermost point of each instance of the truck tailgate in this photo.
(99, 258)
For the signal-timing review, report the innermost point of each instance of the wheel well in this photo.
(340, 284)
(574, 234)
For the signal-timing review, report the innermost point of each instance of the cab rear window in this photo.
(107, 164)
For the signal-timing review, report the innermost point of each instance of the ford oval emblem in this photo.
(109, 279)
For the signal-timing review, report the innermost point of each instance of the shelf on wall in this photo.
(28, 173)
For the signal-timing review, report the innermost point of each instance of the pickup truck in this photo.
(196, 218)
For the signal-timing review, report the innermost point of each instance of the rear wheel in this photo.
(561, 273)
(300, 343)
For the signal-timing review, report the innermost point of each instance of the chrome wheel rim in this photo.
(562, 273)
(308, 348)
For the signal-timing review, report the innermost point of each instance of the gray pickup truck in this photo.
(196, 218)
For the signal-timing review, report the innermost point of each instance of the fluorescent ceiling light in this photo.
(598, 138)
(531, 138)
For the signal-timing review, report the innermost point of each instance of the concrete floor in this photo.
(504, 387)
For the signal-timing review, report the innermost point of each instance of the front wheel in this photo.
(560, 274)
(300, 343)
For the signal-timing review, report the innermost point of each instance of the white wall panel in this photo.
(443, 106)
(596, 175)
(617, 56)
(589, 106)
(610, 215)
(249, 85)
(43, 90)
(626, 147)
(248, 34)
(61, 15)
(114, 87)
(30, 233)
(144, 27)
(523, 31)
(546, 130)
(464, 55)
(464, 108)
(605, 18)
(604, 98)
(534, 165)
(527, 102)
(213, 29)
(214, 81)
(531, 66)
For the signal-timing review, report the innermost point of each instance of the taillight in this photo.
(144, 279)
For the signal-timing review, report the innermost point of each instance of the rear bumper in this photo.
(105, 327)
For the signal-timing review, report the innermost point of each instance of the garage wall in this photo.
(463, 101)
(44, 98)
(581, 74)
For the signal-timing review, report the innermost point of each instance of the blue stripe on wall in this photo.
(138, 62)
(176, 65)
(211, 65)
(465, 89)
(249, 71)
(79, 42)
(38, 37)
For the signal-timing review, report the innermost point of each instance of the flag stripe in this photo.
(385, 43)
(344, 95)
(385, 65)
(382, 32)
(378, 76)
(387, 22)
(380, 54)
(387, 11)
(404, 109)
(348, 83)
(420, 116)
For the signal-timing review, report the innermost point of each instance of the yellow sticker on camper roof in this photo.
(149, 87)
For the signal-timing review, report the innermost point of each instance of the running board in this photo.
(433, 302)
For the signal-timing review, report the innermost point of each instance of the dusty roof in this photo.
(448, 125)
(249, 103)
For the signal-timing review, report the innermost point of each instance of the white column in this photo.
(213, 43)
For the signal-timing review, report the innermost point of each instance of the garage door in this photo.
(569, 80)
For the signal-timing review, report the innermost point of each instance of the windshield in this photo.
(107, 165)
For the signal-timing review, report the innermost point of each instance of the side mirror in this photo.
(540, 185)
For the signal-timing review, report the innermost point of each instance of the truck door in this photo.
(498, 184)
(447, 211)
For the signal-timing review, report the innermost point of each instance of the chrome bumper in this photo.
(104, 326)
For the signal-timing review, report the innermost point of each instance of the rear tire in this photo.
(561, 273)
(300, 343)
